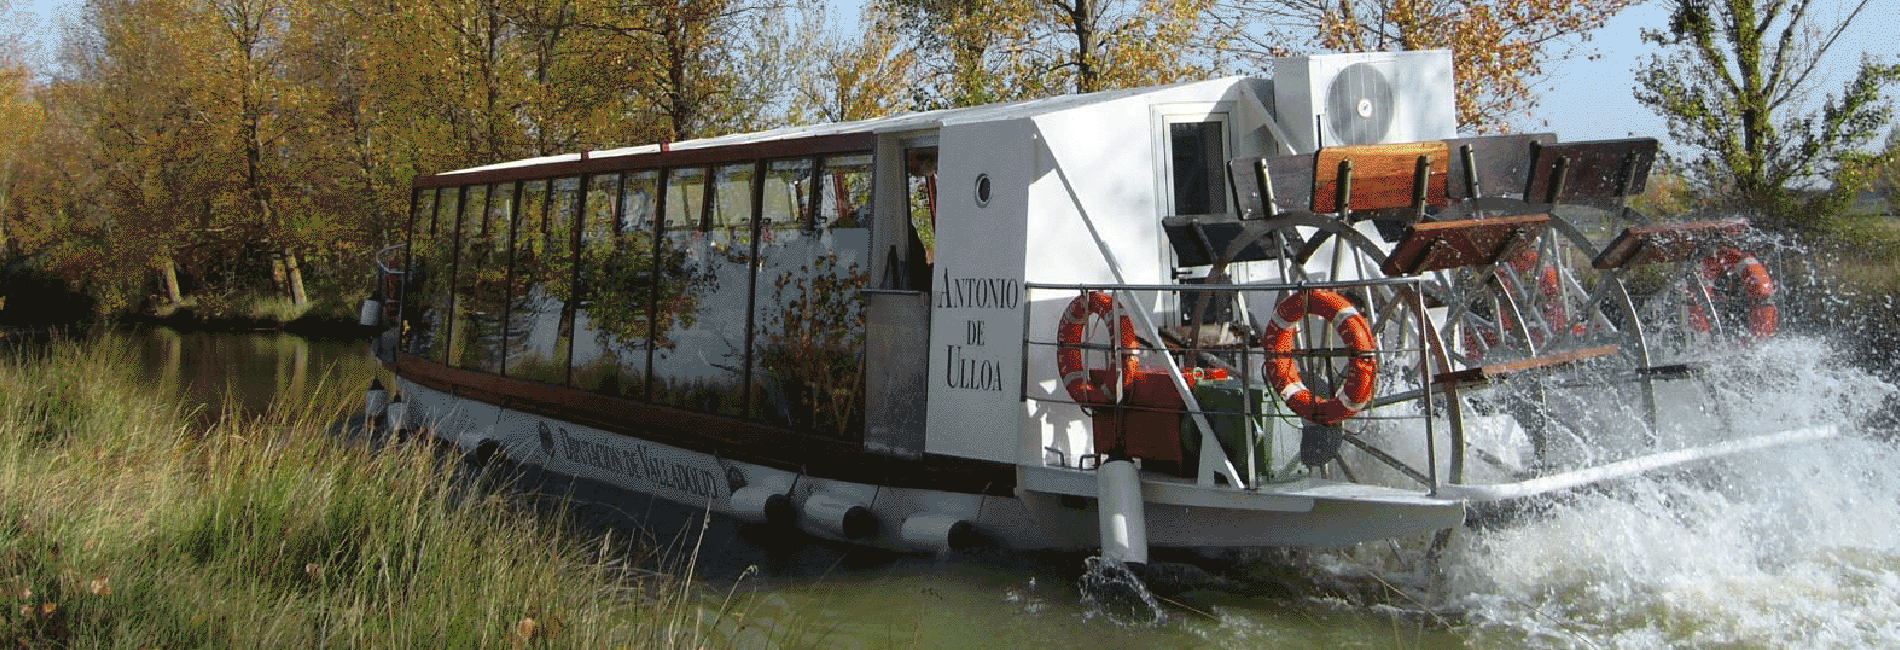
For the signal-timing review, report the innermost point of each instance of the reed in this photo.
(123, 524)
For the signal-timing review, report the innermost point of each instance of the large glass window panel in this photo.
(525, 232)
(489, 319)
(779, 395)
(525, 246)
(700, 347)
(603, 300)
(436, 277)
(619, 318)
(809, 318)
(414, 294)
(471, 306)
(846, 183)
(548, 257)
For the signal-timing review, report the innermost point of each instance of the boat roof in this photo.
(906, 122)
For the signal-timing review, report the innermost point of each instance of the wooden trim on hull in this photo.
(725, 437)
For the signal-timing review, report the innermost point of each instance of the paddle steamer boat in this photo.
(1232, 313)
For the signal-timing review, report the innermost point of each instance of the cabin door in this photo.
(898, 336)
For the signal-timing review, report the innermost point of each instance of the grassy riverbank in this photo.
(124, 525)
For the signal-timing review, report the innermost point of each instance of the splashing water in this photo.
(1111, 588)
(1791, 547)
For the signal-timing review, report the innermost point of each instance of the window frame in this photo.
(1165, 117)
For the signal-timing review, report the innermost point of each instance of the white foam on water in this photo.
(1794, 547)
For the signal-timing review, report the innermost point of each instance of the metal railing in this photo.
(1223, 361)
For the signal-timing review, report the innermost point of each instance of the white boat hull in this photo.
(1051, 508)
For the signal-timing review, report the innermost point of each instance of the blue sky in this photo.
(32, 20)
(1592, 100)
(1584, 99)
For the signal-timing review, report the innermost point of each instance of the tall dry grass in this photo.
(125, 525)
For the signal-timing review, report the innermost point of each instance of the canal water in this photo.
(1795, 547)
(242, 373)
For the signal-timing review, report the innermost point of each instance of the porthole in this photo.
(982, 190)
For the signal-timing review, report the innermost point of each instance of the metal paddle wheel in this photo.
(1451, 316)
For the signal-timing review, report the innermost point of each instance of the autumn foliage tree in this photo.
(852, 74)
(23, 116)
(982, 51)
(233, 143)
(223, 140)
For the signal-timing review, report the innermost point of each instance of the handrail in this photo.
(1214, 459)
(1275, 286)
(385, 268)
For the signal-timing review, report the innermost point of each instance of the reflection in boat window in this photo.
(701, 330)
(439, 272)
(612, 352)
(546, 261)
(484, 274)
(526, 297)
(847, 187)
(415, 293)
(729, 288)
(611, 319)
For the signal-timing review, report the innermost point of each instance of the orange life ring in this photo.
(1361, 373)
(1072, 332)
(1763, 317)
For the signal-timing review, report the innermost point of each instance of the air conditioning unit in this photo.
(1364, 98)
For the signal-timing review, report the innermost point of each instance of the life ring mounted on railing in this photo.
(1355, 390)
(1072, 335)
(1763, 317)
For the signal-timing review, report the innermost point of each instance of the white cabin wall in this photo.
(1071, 189)
(1095, 220)
(976, 310)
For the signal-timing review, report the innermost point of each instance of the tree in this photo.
(1732, 89)
(23, 118)
(676, 58)
(1498, 47)
(982, 51)
(842, 80)
(1884, 173)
